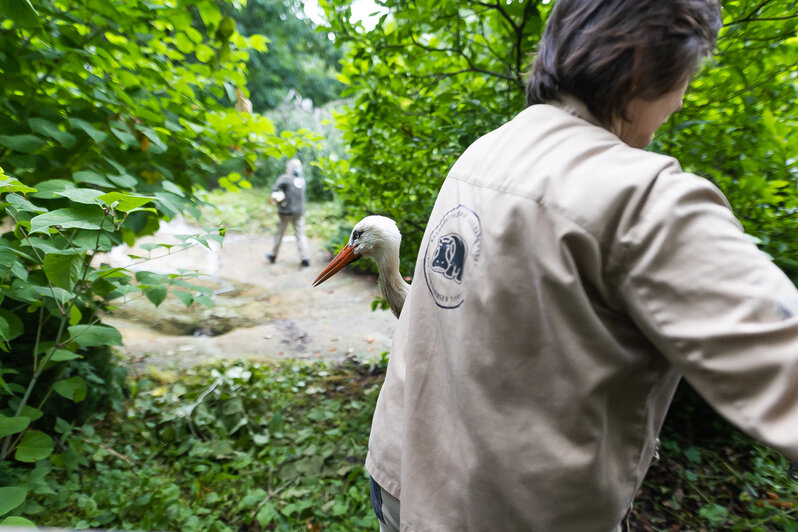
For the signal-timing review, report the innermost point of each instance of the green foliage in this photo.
(711, 477)
(299, 58)
(53, 293)
(237, 447)
(128, 95)
(280, 447)
(111, 113)
(434, 76)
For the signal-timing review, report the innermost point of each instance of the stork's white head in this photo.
(376, 237)
(373, 236)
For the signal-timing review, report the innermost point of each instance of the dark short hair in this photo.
(609, 52)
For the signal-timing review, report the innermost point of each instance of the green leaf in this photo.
(154, 138)
(14, 185)
(92, 178)
(21, 204)
(79, 217)
(10, 498)
(204, 300)
(210, 14)
(48, 129)
(63, 270)
(266, 515)
(46, 246)
(184, 296)
(12, 425)
(35, 445)
(32, 413)
(19, 270)
(7, 259)
(15, 325)
(124, 202)
(96, 135)
(258, 42)
(86, 196)
(151, 278)
(169, 203)
(63, 355)
(73, 388)
(125, 136)
(94, 335)
(184, 44)
(61, 295)
(123, 180)
(22, 143)
(226, 28)
(75, 315)
(47, 189)
(714, 514)
(23, 291)
(17, 521)
(204, 53)
(156, 294)
(693, 455)
(20, 11)
(5, 330)
(102, 288)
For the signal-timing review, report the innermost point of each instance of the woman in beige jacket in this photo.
(566, 281)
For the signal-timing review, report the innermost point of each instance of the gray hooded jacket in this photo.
(293, 185)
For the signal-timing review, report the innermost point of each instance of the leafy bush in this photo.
(111, 113)
(50, 309)
(236, 447)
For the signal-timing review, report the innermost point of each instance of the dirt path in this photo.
(261, 311)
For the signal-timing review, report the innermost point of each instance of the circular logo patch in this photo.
(453, 251)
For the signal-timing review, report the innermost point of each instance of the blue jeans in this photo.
(386, 507)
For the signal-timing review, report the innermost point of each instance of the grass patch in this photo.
(249, 211)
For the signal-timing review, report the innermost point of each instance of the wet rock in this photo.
(243, 306)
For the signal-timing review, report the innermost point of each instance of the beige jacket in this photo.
(564, 284)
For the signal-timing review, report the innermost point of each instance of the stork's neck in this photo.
(394, 289)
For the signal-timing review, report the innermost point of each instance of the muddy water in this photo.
(261, 311)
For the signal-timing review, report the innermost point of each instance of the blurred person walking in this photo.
(288, 193)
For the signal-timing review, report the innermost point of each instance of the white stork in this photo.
(379, 238)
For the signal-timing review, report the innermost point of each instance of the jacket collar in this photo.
(576, 107)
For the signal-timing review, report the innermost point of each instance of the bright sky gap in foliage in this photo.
(362, 10)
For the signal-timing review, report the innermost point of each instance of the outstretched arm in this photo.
(717, 308)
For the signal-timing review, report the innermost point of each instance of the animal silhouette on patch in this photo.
(450, 257)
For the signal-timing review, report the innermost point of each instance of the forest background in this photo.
(115, 115)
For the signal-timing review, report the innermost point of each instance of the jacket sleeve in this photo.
(280, 184)
(714, 305)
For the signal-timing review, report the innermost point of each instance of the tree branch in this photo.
(500, 8)
(765, 19)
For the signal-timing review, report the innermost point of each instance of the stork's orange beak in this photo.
(344, 257)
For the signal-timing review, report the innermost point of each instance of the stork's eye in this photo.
(356, 235)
